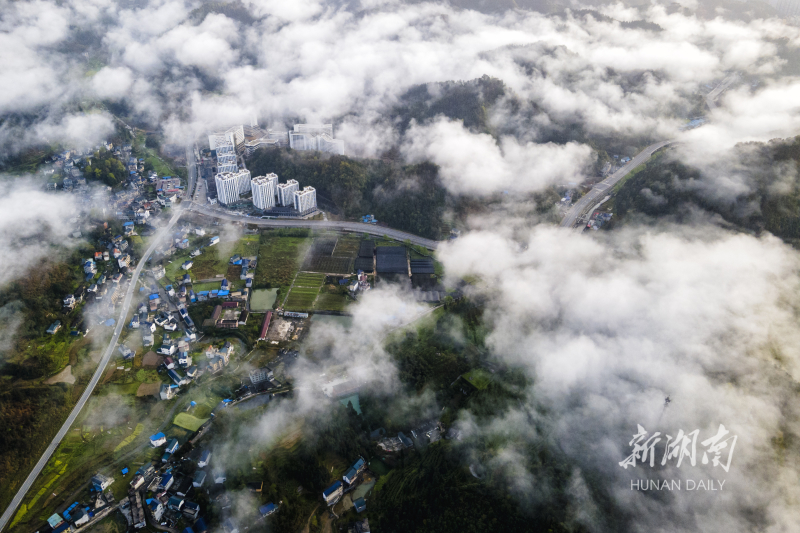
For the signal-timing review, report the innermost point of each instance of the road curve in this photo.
(601, 189)
(356, 227)
(9, 512)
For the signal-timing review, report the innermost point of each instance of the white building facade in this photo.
(286, 192)
(305, 201)
(264, 190)
(227, 187)
(243, 177)
(226, 158)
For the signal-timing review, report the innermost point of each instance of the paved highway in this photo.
(357, 227)
(9, 512)
(601, 189)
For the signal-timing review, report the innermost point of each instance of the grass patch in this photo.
(210, 286)
(478, 378)
(382, 481)
(130, 438)
(210, 264)
(305, 279)
(188, 422)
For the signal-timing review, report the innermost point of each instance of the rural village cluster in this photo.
(177, 323)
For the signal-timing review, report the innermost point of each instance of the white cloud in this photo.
(607, 328)
(111, 82)
(475, 164)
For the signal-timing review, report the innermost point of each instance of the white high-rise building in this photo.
(315, 137)
(231, 184)
(227, 187)
(305, 200)
(226, 158)
(244, 180)
(286, 192)
(264, 190)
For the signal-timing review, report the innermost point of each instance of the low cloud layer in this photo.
(476, 164)
(34, 226)
(190, 70)
(607, 328)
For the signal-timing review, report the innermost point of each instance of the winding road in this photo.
(356, 227)
(591, 198)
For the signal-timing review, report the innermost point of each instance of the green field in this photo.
(305, 279)
(279, 259)
(211, 263)
(301, 298)
(189, 422)
(347, 247)
(331, 302)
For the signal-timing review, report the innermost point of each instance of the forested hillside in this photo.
(408, 197)
(467, 101)
(667, 187)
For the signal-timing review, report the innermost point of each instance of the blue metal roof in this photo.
(157, 436)
(333, 488)
(360, 505)
(267, 509)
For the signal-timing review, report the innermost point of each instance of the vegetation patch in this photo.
(331, 302)
(279, 258)
(478, 378)
(130, 438)
(306, 279)
(188, 422)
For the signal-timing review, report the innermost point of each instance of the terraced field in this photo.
(307, 279)
(301, 298)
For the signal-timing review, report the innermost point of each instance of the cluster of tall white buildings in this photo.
(317, 137)
(267, 192)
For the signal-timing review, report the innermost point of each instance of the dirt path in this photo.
(308, 522)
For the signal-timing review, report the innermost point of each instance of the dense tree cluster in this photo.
(105, 168)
